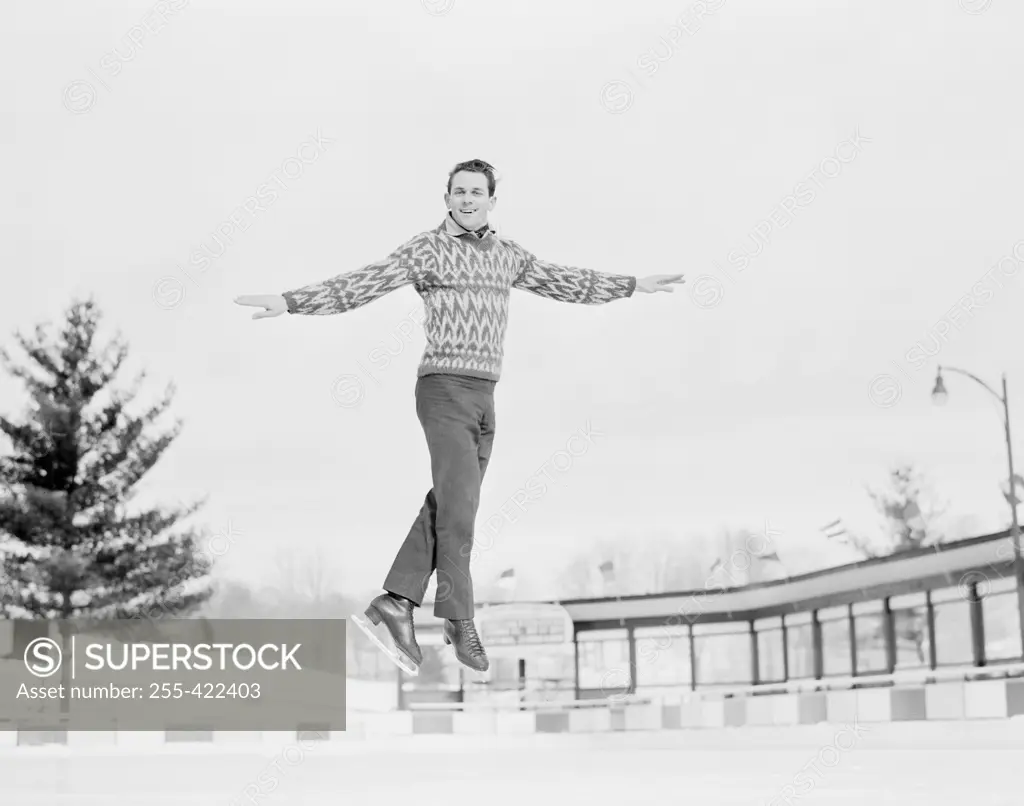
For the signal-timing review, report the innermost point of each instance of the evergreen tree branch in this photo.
(69, 548)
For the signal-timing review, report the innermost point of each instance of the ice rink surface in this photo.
(910, 764)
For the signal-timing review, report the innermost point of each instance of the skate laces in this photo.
(472, 639)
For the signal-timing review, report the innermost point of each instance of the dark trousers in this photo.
(457, 415)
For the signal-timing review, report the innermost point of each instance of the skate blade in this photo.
(475, 676)
(396, 657)
(471, 674)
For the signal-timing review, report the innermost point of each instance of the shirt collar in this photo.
(454, 229)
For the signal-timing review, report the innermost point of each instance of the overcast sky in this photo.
(863, 156)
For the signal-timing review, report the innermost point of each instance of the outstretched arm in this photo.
(582, 286)
(352, 289)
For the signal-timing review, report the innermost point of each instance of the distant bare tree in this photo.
(308, 576)
(634, 567)
(732, 558)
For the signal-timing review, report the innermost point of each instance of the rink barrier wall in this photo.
(999, 699)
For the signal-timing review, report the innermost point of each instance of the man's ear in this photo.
(448, 200)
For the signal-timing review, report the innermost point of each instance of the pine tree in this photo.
(71, 547)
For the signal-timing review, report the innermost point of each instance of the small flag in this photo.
(507, 578)
(767, 550)
(835, 530)
(1011, 495)
(607, 569)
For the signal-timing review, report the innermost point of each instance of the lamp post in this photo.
(939, 396)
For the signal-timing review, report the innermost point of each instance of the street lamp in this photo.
(940, 396)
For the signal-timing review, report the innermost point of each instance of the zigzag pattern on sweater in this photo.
(465, 284)
(356, 288)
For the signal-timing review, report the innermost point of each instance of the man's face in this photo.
(468, 199)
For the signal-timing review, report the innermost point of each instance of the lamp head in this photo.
(939, 393)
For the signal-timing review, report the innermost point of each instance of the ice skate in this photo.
(388, 622)
(461, 635)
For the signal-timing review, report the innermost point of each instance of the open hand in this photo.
(659, 282)
(274, 304)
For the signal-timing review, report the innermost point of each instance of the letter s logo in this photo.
(43, 657)
(707, 291)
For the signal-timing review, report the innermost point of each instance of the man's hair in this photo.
(477, 167)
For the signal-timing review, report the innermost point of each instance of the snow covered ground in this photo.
(910, 764)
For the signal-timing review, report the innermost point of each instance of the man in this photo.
(464, 273)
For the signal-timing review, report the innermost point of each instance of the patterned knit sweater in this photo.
(464, 279)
